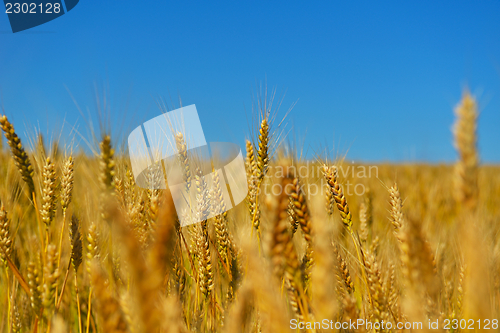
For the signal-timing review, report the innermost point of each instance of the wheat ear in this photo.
(284, 254)
(67, 181)
(331, 174)
(6, 245)
(184, 160)
(220, 220)
(299, 203)
(50, 276)
(253, 186)
(48, 210)
(107, 164)
(263, 151)
(21, 158)
(108, 307)
(5, 236)
(375, 285)
(249, 159)
(466, 169)
(363, 223)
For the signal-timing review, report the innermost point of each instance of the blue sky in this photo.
(375, 80)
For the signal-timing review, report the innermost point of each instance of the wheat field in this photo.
(319, 245)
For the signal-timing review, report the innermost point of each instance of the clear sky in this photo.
(377, 80)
